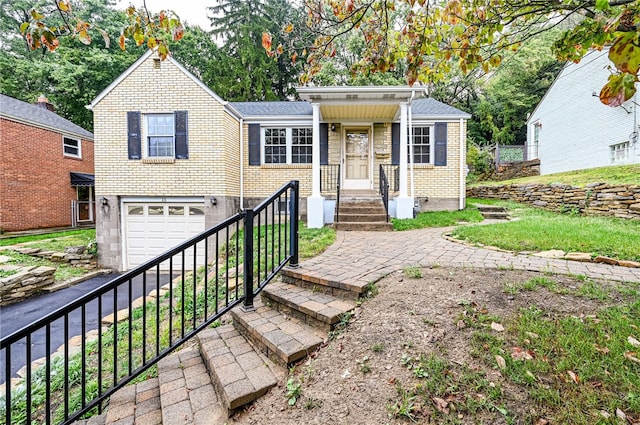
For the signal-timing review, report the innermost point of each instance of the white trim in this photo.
(463, 166)
(162, 199)
(79, 147)
(284, 120)
(241, 124)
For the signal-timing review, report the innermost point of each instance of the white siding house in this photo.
(571, 129)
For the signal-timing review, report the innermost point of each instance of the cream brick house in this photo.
(172, 157)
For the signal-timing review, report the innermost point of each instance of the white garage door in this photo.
(152, 228)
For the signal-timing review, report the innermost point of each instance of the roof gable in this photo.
(137, 64)
(17, 110)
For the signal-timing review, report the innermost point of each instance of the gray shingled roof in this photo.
(421, 107)
(272, 109)
(39, 117)
(431, 107)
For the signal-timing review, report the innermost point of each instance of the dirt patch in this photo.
(355, 378)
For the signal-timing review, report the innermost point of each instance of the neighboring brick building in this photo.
(174, 158)
(47, 164)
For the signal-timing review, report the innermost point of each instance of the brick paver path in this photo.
(362, 257)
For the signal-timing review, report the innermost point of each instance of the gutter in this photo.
(463, 194)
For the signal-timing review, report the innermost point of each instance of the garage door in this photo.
(151, 229)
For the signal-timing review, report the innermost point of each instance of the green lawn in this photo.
(619, 174)
(438, 219)
(54, 241)
(540, 230)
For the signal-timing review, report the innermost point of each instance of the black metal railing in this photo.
(153, 309)
(330, 182)
(393, 176)
(384, 189)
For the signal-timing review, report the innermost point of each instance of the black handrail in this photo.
(393, 176)
(195, 284)
(384, 189)
(330, 179)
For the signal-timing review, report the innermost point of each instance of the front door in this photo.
(357, 158)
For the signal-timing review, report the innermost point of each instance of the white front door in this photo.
(357, 151)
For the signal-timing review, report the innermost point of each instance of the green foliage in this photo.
(478, 160)
(412, 272)
(294, 391)
(82, 234)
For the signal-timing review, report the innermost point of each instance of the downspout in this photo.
(241, 164)
(413, 183)
(462, 166)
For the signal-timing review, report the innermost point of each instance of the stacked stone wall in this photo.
(26, 282)
(621, 201)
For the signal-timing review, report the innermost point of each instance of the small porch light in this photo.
(214, 200)
(104, 201)
(333, 127)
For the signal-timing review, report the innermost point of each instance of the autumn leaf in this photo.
(105, 37)
(631, 340)
(163, 51)
(64, 6)
(152, 43)
(497, 327)
(619, 88)
(630, 355)
(266, 41)
(502, 364)
(121, 42)
(575, 378)
(178, 33)
(288, 28)
(518, 353)
(441, 404)
(84, 37)
(625, 54)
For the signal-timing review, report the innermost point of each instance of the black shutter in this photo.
(181, 127)
(134, 143)
(441, 144)
(324, 144)
(395, 143)
(254, 144)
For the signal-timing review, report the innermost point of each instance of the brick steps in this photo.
(320, 310)
(283, 339)
(239, 373)
(235, 364)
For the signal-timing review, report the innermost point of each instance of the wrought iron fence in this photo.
(153, 309)
(330, 182)
(393, 176)
(384, 189)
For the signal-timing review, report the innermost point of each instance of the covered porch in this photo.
(360, 149)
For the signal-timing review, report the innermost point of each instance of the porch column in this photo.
(315, 203)
(404, 203)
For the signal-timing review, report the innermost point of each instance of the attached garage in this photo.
(152, 228)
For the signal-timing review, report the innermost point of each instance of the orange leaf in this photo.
(288, 28)
(64, 6)
(178, 33)
(121, 41)
(266, 41)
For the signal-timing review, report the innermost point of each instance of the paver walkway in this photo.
(359, 258)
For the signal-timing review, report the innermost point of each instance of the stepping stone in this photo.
(319, 310)
(239, 374)
(284, 340)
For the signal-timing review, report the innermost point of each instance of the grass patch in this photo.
(82, 234)
(619, 174)
(64, 271)
(314, 241)
(412, 272)
(438, 219)
(572, 368)
(540, 230)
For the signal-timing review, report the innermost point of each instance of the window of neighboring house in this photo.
(619, 152)
(421, 145)
(71, 147)
(535, 146)
(284, 145)
(160, 136)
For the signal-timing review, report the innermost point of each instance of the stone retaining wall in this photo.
(514, 170)
(595, 199)
(25, 282)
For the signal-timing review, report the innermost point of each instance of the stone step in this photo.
(495, 215)
(239, 373)
(187, 395)
(322, 311)
(363, 218)
(283, 339)
(364, 227)
(483, 207)
(339, 289)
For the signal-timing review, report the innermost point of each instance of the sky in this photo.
(193, 12)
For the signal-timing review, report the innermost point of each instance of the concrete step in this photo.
(283, 339)
(239, 373)
(322, 311)
(339, 289)
(363, 218)
(490, 208)
(364, 227)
